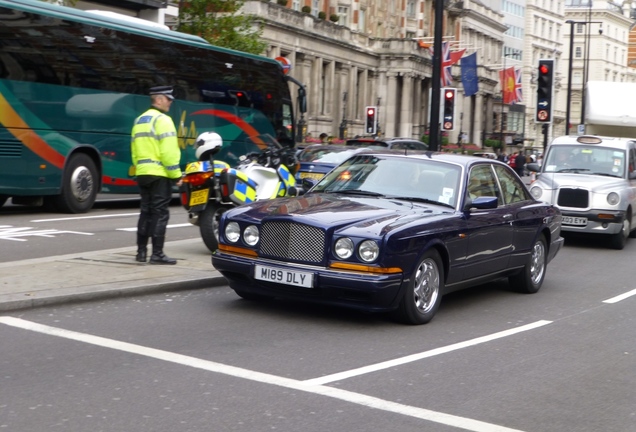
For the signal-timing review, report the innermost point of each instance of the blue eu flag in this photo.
(469, 74)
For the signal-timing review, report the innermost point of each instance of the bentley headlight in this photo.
(368, 250)
(536, 192)
(232, 232)
(344, 248)
(251, 235)
(613, 198)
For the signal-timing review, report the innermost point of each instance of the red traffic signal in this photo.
(544, 69)
(371, 125)
(448, 109)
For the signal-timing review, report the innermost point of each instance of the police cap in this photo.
(162, 90)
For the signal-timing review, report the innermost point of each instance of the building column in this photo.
(417, 115)
(390, 108)
(406, 106)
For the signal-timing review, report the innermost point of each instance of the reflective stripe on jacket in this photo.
(154, 146)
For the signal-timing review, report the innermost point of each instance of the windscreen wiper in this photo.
(422, 200)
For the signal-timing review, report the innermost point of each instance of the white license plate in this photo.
(571, 220)
(287, 277)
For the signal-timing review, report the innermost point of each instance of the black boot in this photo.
(158, 256)
(142, 248)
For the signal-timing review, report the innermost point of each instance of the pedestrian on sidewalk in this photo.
(520, 163)
(156, 156)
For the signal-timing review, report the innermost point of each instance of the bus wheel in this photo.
(209, 224)
(79, 187)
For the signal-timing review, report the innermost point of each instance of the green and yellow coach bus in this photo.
(72, 82)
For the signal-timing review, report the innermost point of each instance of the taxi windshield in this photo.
(585, 159)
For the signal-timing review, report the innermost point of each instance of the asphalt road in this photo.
(491, 360)
(33, 232)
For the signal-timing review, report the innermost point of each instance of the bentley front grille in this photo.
(578, 198)
(292, 241)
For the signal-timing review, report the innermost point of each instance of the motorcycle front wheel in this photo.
(209, 224)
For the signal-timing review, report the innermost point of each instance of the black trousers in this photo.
(156, 194)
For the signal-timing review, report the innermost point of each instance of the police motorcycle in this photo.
(210, 187)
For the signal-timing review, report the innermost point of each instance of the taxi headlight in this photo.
(536, 192)
(251, 235)
(344, 248)
(368, 250)
(232, 232)
(613, 198)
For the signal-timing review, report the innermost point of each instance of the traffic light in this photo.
(372, 120)
(448, 108)
(545, 79)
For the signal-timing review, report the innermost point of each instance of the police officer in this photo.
(155, 155)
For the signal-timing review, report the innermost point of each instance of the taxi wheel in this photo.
(424, 293)
(530, 279)
(619, 240)
(209, 225)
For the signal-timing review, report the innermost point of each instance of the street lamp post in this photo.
(569, 90)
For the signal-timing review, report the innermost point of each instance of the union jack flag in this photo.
(447, 63)
(518, 88)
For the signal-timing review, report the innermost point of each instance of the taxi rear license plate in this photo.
(313, 176)
(571, 220)
(287, 277)
(199, 197)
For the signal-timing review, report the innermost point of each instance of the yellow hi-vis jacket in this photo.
(154, 147)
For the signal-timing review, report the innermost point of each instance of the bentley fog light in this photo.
(368, 250)
(613, 198)
(232, 232)
(344, 248)
(251, 235)
(536, 192)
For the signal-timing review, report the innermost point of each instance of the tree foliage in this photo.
(221, 23)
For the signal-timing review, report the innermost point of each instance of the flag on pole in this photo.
(470, 80)
(457, 55)
(507, 81)
(446, 76)
(449, 58)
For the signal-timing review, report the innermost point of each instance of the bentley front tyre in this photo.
(530, 278)
(209, 225)
(424, 293)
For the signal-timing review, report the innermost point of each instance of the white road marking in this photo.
(85, 217)
(169, 226)
(419, 356)
(7, 232)
(620, 297)
(348, 396)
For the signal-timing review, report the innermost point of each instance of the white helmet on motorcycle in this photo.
(207, 145)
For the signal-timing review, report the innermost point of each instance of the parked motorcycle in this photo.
(211, 187)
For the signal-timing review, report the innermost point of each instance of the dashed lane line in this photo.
(348, 396)
(419, 356)
(620, 297)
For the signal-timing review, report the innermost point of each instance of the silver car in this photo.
(592, 180)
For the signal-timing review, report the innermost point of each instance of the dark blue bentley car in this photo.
(386, 232)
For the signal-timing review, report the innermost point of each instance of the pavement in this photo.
(104, 274)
